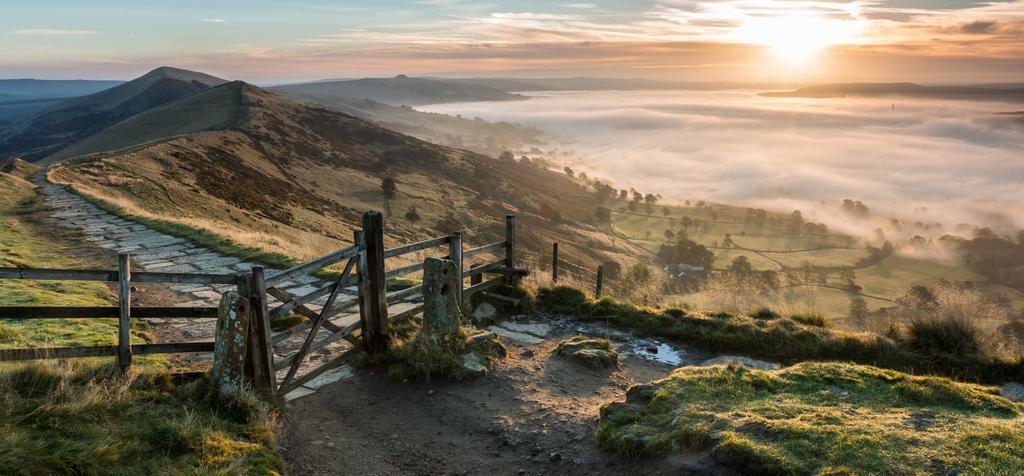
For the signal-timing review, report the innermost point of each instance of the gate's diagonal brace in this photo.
(301, 354)
(302, 309)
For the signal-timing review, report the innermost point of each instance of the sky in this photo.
(265, 42)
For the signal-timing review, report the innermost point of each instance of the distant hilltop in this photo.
(977, 93)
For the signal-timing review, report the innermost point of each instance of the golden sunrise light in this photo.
(797, 37)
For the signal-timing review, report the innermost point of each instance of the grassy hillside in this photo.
(79, 416)
(68, 121)
(294, 179)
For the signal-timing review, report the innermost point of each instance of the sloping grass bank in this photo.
(84, 418)
(820, 418)
(782, 339)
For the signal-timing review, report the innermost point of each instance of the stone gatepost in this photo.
(442, 314)
(229, 350)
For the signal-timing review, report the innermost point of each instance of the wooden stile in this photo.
(455, 254)
(600, 281)
(510, 247)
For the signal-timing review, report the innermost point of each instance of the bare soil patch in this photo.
(534, 414)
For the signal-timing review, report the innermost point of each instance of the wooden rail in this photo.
(365, 269)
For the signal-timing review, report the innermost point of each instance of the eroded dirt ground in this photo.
(534, 414)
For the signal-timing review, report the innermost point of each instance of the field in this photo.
(770, 248)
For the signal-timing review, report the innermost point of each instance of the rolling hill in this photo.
(65, 122)
(264, 171)
(904, 90)
(44, 88)
(401, 90)
(477, 135)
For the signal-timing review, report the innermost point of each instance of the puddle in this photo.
(631, 345)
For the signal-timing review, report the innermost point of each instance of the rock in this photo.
(526, 354)
(555, 457)
(652, 349)
(472, 364)
(485, 312)
(740, 360)
(535, 329)
(596, 358)
(442, 316)
(229, 347)
(1013, 391)
(430, 392)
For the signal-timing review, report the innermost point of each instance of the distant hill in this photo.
(477, 135)
(903, 90)
(265, 171)
(603, 84)
(401, 90)
(67, 121)
(11, 89)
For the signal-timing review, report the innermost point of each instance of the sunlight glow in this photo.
(797, 38)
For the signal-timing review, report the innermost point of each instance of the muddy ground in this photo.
(534, 414)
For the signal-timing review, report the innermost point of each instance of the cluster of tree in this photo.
(875, 254)
(756, 217)
(741, 272)
(995, 257)
(550, 214)
(854, 208)
(389, 186)
(686, 252)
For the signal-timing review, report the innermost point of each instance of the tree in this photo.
(389, 186)
(569, 172)
(650, 199)
(507, 156)
(858, 312)
(623, 194)
(669, 235)
(603, 215)
(666, 211)
(603, 192)
(687, 222)
(687, 252)
(412, 215)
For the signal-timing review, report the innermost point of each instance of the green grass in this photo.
(820, 418)
(783, 339)
(80, 416)
(83, 418)
(203, 238)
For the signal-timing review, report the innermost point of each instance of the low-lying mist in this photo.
(933, 161)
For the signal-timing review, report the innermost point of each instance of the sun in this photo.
(798, 37)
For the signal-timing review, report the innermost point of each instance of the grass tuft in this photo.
(945, 335)
(782, 339)
(815, 418)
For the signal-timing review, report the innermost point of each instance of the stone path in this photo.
(154, 251)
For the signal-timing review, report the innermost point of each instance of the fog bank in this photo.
(929, 160)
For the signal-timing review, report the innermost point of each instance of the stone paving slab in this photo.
(156, 251)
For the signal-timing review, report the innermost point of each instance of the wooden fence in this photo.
(365, 269)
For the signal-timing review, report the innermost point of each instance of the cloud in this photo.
(53, 32)
(214, 20)
(581, 6)
(979, 27)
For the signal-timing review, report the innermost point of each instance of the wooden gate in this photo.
(362, 284)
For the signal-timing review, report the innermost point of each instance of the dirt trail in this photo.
(534, 414)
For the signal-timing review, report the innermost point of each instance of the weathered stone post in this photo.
(442, 313)
(229, 349)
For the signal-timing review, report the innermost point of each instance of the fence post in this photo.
(600, 281)
(264, 363)
(510, 248)
(375, 306)
(554, 262)
(475, 278)
(455, 254)
(124, 301)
